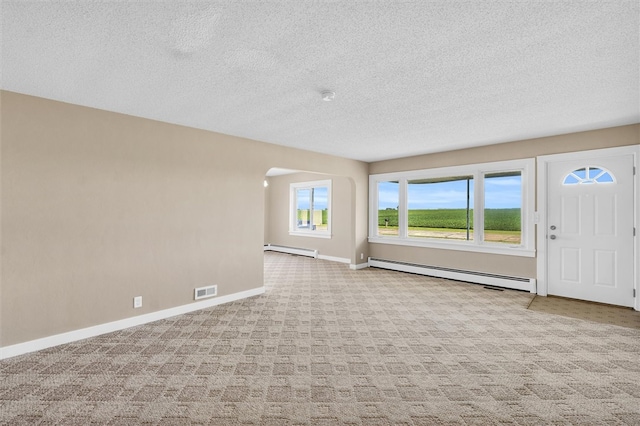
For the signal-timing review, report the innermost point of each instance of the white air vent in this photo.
(204, 292)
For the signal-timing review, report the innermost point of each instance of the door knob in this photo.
(553, 227)
(553, 237)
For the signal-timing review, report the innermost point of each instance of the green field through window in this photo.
(443, 208)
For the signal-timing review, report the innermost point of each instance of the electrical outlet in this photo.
(137, 302)
(361, 256)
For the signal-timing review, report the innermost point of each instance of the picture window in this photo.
(482, 207)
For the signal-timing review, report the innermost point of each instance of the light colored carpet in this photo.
(329, 346)
(590, 311)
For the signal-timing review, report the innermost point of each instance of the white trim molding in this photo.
(85, 333)
(359, 266)
(305, 252)
(292, 250)
(541, 215)
(334, 258)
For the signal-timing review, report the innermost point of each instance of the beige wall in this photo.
(530, 148)
(491, 263)
(340, 244)
(99, 207)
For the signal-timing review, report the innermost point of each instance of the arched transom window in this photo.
(588, 175)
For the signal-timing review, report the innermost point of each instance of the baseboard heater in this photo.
(292, 250)
(516, 283)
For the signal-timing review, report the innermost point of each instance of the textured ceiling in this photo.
(410, 77)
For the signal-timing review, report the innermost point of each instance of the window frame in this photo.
(526, 167)
(587, 180)
(293, 209)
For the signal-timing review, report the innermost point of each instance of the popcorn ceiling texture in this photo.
(410, 77)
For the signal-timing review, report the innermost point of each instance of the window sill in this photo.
(450, 245)
(310, 234)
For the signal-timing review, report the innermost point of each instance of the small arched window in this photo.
(588, 175)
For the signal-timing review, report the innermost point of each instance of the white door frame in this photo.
(541, 213)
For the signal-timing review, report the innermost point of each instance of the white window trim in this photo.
(293, 217)
(525, 166)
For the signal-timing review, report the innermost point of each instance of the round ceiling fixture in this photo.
(328, 95)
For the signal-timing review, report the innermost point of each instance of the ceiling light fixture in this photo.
(328, 95)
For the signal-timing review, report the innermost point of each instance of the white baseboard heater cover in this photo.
(516, 283)
(292, 250)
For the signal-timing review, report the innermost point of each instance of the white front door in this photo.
(590, 229)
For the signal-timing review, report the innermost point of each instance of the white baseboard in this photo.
(292, 250)
(305, 252)
(334, 258)
(359, 266)
(84, 333)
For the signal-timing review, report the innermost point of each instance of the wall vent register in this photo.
(204, 292)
